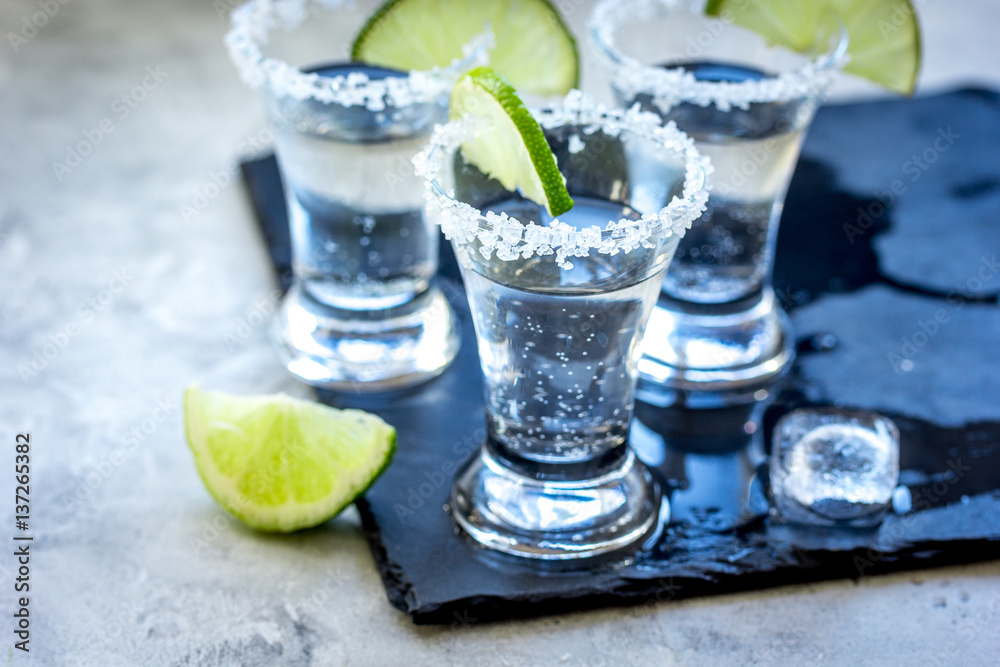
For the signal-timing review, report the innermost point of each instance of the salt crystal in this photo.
(669, 87)
(513, 239)
(249, 33)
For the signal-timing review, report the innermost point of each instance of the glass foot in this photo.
(365, 350)
(705, 356)
(555, 520)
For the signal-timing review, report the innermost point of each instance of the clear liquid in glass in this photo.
(558, 346)
(360, 241)
(725, 256)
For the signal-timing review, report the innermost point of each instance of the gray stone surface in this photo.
(133, 562)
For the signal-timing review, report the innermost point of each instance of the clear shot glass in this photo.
(560, 306)
(364, 312)
(718, 337)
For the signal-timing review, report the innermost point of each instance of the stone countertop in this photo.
(135, 269)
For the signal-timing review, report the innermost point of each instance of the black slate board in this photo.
(852, 313)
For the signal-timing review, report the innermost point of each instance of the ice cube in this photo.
(833, 467)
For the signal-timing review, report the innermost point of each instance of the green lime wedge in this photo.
(282, 464)
(533, 48)
(514, 150)
(884, 34)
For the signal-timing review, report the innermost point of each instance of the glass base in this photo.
(712, 356)
(365, 350)
(555, 520)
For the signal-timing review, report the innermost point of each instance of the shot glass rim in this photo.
(513, 239)
(252, 22)
(673, 86)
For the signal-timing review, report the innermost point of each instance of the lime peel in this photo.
(514, 149)
(533, 47)
(279, 463)
(512, 238)
(252, 24)
(884, 35)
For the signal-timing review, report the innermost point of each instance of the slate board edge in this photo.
(843, 565)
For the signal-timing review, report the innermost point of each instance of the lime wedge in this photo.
(884, 34)
(513, 150)
(279, 463)
(534, 49)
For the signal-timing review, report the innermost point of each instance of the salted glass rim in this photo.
(511, 239)
(253, 22)
(670, 86)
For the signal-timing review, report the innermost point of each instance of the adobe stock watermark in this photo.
(902, 16)
(259, 314)
(324, 592)
(223, 8)
(924, 499)
(121, 109)
(211, 529)
(404, 173)
(32, 23)
(697, 43)
(566, 9)
(110, 635)
(972, 631)
(58, 340)
(438, 310)
(623, 634)
(901, 360)
(101, 471)
(419, 493)
(915, 168)
(260, 481)
(221, 179)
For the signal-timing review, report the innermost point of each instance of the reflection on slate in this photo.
(263, 180)
(891, 318)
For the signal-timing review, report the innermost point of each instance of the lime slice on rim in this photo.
(279, 463)
(534, 49)
(514, 150)
(884, 34)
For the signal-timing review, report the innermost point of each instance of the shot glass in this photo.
(363, 313)
(559, 308)
(718, 337)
